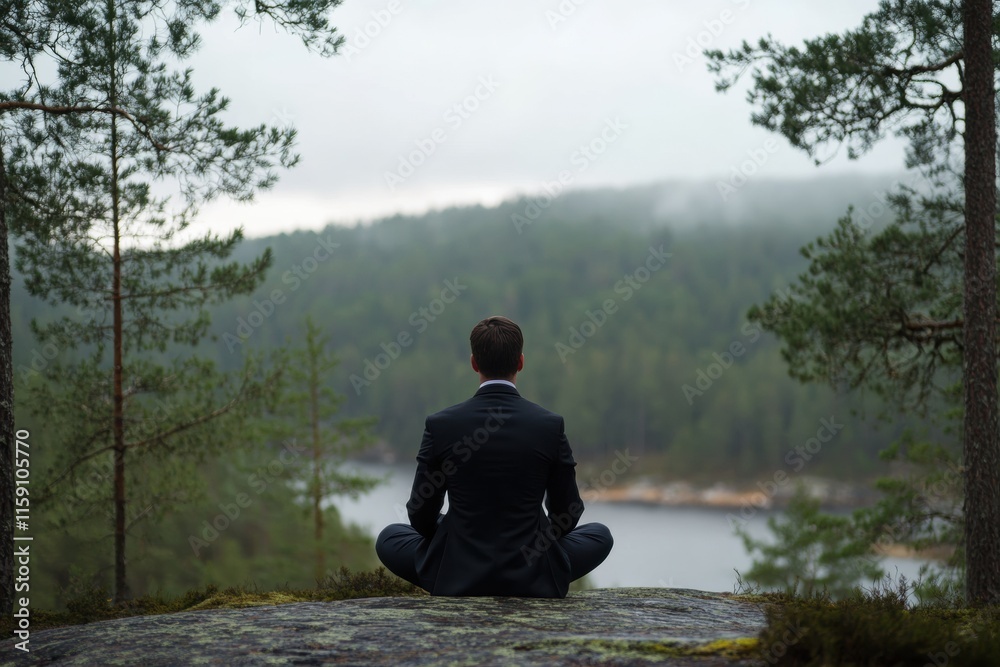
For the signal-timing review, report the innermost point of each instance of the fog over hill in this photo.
(679, 204)
(633, 302)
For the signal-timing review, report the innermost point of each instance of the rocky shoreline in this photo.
(767, 495)
(773, 493)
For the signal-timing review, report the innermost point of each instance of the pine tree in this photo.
(26, 30)
(81, 154)
(308, 407)
(904, 308)
(981, 438)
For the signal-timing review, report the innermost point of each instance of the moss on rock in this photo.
(624, 626)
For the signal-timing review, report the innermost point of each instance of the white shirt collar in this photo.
(506, 382)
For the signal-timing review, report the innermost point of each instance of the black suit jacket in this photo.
(496, 455)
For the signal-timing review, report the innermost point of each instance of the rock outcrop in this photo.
(612, 626)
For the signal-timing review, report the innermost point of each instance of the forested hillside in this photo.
(633, 304)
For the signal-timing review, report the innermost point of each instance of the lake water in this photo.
(654, 546)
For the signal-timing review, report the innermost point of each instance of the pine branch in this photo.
(180, 428)
(60, 110)
(924, 69)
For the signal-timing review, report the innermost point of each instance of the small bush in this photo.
(877, 627)
(92, 604)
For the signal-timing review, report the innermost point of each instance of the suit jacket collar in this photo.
(497, 389)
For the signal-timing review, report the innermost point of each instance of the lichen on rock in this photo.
(611, 626)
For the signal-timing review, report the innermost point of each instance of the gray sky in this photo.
(487, 100)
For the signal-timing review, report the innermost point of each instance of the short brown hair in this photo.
(496, 345)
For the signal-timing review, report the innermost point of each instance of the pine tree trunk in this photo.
(118, 411)
(317, 478)
(981, 438)
(118, 399)
(6, 413)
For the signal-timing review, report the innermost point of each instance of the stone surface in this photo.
(612, 626)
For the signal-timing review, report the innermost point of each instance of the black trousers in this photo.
(586, 545)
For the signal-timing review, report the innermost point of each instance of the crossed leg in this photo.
(586, 545)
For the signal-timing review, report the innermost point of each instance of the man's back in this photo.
(496, 455)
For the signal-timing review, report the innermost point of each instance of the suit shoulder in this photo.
(519, 403)
(449, 411)
(539, 411)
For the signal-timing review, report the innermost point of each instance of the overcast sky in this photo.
(450, 102)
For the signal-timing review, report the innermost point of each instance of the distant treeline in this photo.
(633, 304)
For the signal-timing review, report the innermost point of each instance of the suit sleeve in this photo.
(562, 495)
(427, 494)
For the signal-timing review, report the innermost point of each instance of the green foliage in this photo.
(176, 421)
(102, 125)
(270, 541)
(305, 412)
(877, 310)
(883, 308)
(812, 551)
(921, 507)
(877, 626)
(892, 73)
(91, 605)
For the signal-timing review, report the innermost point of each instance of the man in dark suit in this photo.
(496, 455)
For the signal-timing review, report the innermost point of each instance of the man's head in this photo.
(496, 348)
